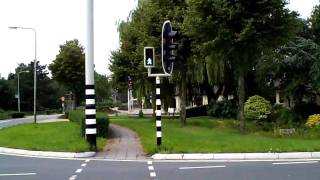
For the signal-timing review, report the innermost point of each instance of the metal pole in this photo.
(158, 112)
(18, 92)
(35, 78)
(91, 127)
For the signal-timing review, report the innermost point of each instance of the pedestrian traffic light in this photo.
(168, 47)
(149, 59)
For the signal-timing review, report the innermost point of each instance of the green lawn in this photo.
(211, 135)
(59, 136)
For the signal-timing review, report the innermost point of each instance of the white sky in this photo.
(57, 21)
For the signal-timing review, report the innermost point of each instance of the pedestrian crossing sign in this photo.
(149, 57)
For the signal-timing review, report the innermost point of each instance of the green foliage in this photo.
(223, 109)
(17, 114)
(102, 120)
(315, 22)
(7, 100)
(69, 68)
(140, 114)
(257, 108)
(102, 127)
(282, 117)
(102, 88)
(313, 121)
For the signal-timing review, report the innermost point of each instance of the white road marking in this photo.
(19, 174)
(202, 167)
(83, 165)
(153, 174)
(88, 160)
(78, 170)
(73, 177)
(302, 162)
(151, 168)
(149, 162)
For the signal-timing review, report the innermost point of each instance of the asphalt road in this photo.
(31, 168)
(12, 122)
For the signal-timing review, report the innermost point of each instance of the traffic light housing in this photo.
(169, 47)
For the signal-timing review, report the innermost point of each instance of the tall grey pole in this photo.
(35, 78)
(91, 127)
(18, 91)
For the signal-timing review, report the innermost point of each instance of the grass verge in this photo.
(204, 135)
(58, 136)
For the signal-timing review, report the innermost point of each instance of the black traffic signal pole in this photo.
(168, 57)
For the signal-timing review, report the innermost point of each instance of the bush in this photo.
(140, 114)
(197, 111)
(284, 118)
(307, 109)
(17, 115)
(76, 116)
(223, 109)
(313, 121)
(102, 126)
(1, 110)
(257, 108)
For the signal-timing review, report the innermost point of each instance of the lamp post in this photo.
(19, 88)
(35, 70)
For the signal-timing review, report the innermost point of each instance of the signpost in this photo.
(168, 57)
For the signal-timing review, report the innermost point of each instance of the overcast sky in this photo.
(57, 21)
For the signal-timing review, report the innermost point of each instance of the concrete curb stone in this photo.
(237, 156)
(46, 153)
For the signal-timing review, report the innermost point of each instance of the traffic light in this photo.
(168, 47)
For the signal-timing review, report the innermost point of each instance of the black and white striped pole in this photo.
(168, 57)
(158, 112)
(90, 112)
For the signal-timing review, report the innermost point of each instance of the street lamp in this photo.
(35, 70)
(19, 88)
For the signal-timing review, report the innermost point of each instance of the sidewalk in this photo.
(123, 144)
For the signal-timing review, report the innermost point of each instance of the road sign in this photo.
(149, 57)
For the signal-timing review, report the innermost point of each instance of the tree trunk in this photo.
(183, 97)
(241, 97)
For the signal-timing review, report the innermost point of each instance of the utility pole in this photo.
(90, 112)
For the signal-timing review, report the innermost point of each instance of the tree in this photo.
(103, 88)
(48, 91)
(69, 68)
(7, 100)
(315, 23)
(238, 32)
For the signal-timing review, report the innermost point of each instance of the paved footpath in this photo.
(123, 144)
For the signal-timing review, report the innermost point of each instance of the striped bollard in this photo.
(91, 126)
(158, 111)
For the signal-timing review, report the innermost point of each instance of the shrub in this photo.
(140, 114)
(223, 109)
(197, 111)
(1, 110)
(257, 108)
(102, 126)
(313, 121)
(76, 116)
(17, 115)
(307, 109)
(284, 118)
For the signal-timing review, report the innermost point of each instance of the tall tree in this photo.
(238, 32)
(69, 68)
(315, 23)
